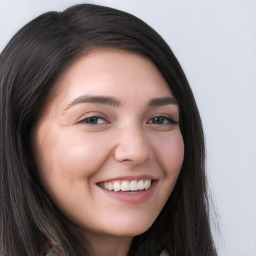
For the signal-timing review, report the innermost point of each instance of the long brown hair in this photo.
(30, 66)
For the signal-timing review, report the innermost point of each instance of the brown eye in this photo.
(93, 120)
(162, 120)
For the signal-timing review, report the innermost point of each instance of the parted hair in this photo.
(30, 65)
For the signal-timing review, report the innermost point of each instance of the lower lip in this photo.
(131, 197)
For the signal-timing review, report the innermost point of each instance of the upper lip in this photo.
(129, 178)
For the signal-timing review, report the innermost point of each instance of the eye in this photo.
(93, 120)
(159, 120)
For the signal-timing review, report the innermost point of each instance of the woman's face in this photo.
(107, 145)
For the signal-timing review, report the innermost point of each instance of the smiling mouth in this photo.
(126, 185)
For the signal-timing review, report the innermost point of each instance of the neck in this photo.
(109, 245)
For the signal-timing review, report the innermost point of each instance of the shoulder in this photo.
(50, 253)
(164, 253)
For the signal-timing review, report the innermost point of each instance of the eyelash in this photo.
(169, 120)
(97, 118)
(85, 121)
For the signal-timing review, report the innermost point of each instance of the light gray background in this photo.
(215, 42)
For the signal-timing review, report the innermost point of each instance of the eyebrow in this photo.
(162, 101)
(112, 101)
(101, 99)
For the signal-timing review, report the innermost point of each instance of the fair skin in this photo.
(108, 147)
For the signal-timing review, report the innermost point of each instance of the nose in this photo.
(133, 146)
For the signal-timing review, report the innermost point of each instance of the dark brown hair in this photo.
(30, 66)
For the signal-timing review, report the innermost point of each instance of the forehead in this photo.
(112, 72)
(109, 65)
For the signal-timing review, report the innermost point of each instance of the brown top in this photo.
(164, 253)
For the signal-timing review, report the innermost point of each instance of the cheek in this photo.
(66, 158)
(169, 150)
(170, 153)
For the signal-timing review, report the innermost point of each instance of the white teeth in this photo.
(126, 185)
(110, 186)
(117, 186)
(105, 185)
(147, 184)
(140, 185)
(133, 185)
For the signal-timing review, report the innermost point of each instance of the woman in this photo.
(102, 148)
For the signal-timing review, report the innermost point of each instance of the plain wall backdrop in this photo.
(215, 42)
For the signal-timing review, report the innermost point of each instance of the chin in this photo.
(131, 230)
